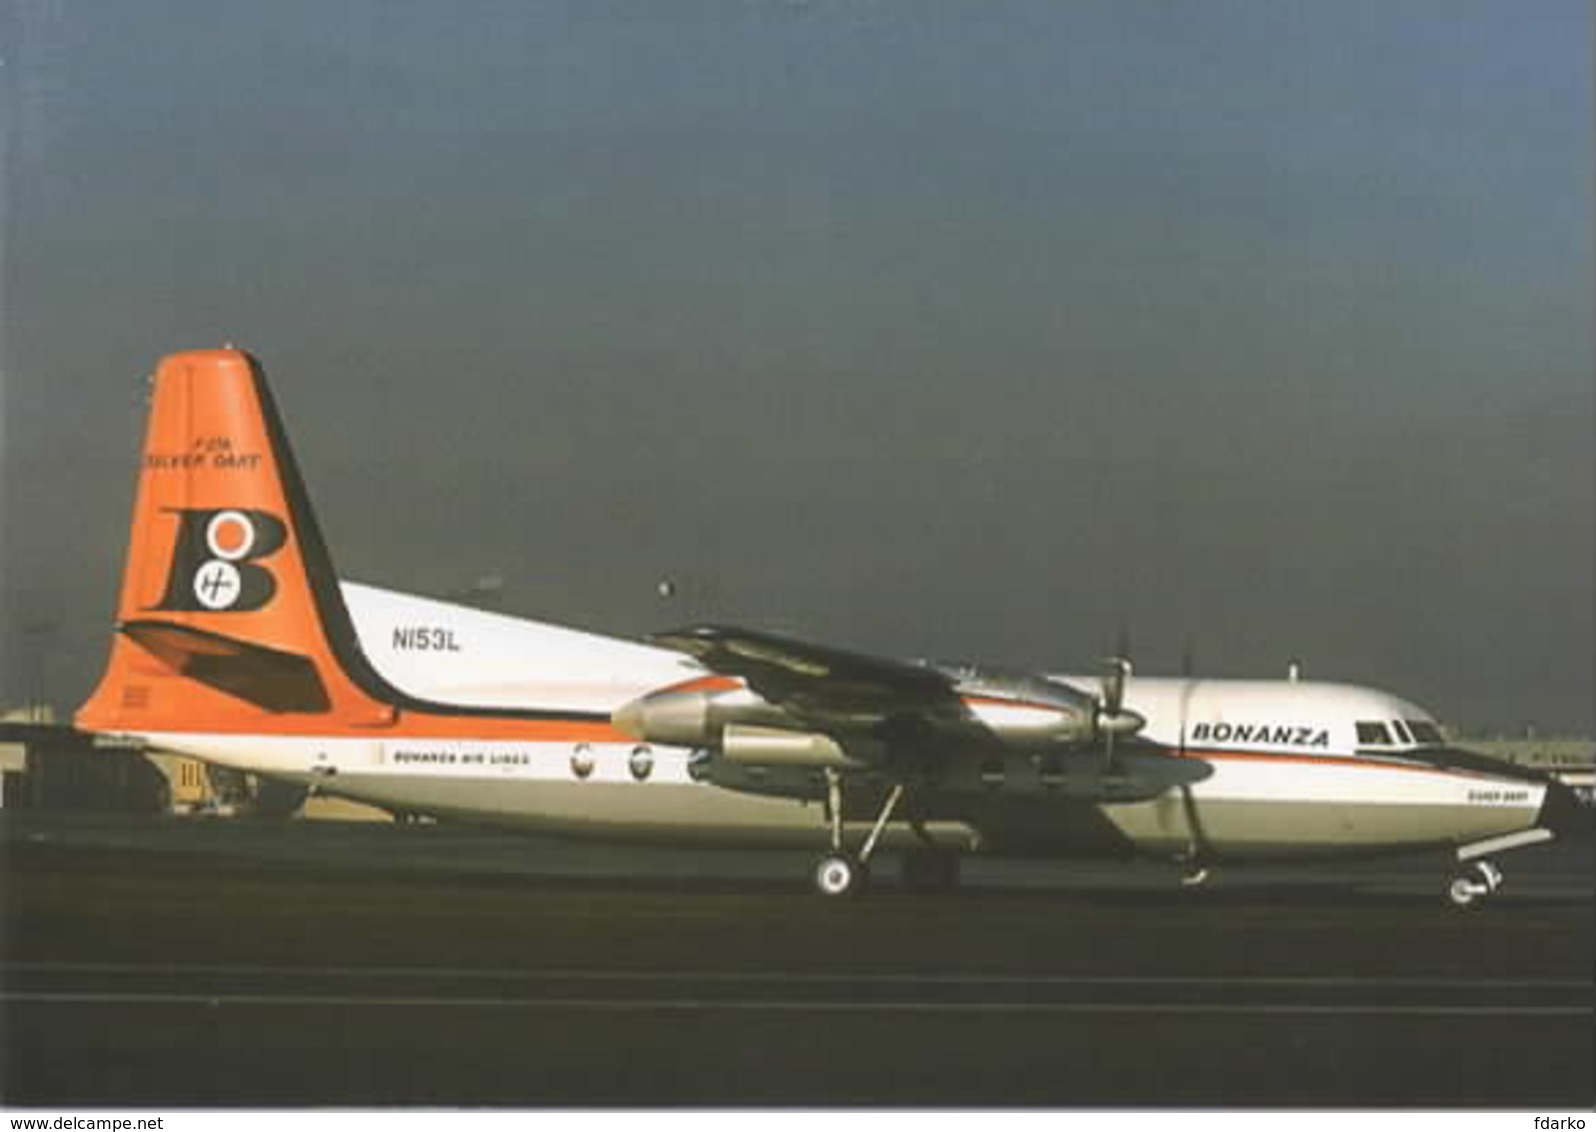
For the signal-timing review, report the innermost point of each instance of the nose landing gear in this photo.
(1481, 877)
(1481, 880)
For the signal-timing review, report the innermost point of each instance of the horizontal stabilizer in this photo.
(266, 677)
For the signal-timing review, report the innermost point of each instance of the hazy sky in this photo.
(952, 329)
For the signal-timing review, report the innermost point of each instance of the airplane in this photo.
(237, 643)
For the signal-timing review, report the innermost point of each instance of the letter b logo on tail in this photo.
(215, 565)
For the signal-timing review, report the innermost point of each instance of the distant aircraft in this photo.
(237, 644)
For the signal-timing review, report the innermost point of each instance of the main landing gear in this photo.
(841, 873)
(838, 874)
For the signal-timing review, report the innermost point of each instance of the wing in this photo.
(963, 740)
(819, 684)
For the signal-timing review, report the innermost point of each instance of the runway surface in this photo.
(166, 962)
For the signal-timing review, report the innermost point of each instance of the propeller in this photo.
(1112, 719)
(1113, 698)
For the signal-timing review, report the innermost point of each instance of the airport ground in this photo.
(171, 962)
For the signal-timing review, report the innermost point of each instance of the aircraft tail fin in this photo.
(230, 616)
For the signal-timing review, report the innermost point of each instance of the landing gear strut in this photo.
(840, 873)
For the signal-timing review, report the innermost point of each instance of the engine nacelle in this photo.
(1027, 711)
(1018, 710)
(692, 717)
(776, 746)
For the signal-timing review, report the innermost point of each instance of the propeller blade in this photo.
(1114, 684)
(1112, 718)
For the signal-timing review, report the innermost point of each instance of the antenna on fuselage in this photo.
(1294, 670)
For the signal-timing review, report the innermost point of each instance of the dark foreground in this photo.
(180, 963)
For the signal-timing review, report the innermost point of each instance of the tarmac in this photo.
(229, 963)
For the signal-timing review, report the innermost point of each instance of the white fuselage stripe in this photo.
(1259, 801)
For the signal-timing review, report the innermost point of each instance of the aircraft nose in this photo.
(1561, 810)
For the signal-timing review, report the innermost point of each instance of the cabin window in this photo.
(1373, 735)
(1425, 732)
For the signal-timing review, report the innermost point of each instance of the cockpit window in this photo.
(1373, 735)
(1424, 731)
(1401, 731)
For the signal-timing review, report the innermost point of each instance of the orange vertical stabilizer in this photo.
(230, 617)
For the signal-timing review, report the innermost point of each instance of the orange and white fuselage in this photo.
(237, 644)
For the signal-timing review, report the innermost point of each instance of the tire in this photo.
(1462, 892)
(838, 875)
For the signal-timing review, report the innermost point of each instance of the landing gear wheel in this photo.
(837, 874)
(1483, 879)
(840, 873)
(1463, 891)
(931, 870)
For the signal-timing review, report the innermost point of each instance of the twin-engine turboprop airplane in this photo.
(236, 643)
(1200, 771)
